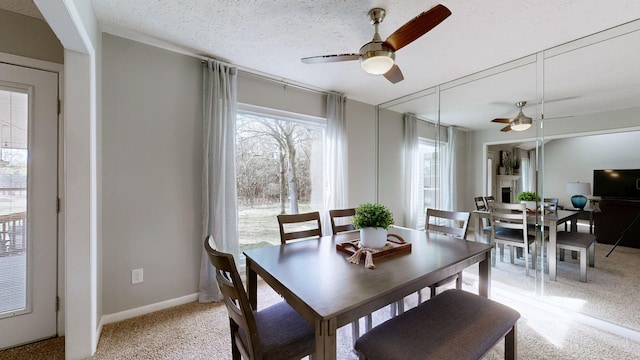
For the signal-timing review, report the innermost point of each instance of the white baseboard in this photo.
(131, 313)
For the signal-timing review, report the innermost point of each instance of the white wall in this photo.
(600, 123)
(574, 159)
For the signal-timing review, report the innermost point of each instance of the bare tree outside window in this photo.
(275, 169)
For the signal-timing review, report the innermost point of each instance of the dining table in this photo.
(316, 279)
(550, 220)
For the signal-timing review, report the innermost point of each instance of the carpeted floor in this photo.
(596, 320)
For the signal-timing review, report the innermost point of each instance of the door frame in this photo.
(56, 68)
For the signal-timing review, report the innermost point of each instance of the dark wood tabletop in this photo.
(317, 280)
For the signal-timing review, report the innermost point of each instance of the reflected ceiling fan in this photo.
(519, 123)
(378, 57)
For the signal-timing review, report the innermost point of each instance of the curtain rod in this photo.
(263, 76)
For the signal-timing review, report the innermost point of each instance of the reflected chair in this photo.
(453, 223)
(488, 200)
(275, 332)
(303, 224)
(509, 227)
(340, 216)
(481, 205)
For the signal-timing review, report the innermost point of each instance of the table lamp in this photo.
(578, 190)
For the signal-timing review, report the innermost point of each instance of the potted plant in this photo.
(373, 220)
(528, 198)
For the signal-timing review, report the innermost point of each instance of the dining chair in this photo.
(509, 227)
(453, 223)
(341, 215)
(296, 219)
(275, 332)
(481, 205)
(489, 199)
(299, 226)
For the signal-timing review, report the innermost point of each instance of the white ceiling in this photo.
(270, 37)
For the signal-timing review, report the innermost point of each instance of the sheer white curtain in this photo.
(219, 194)
(448, 179)
(336, 158)
(411, 170)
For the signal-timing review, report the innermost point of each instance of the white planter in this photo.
(374, 238)
(530, 205)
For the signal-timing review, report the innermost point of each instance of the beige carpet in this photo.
(566, 324)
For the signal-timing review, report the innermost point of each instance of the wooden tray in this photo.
(394, 245)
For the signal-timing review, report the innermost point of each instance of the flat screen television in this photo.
(624, 183)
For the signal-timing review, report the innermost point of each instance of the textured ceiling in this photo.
(270, 37)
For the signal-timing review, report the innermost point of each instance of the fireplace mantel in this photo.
(506, 188)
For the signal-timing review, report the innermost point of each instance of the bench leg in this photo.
(510, 341)
(592, 255)
(355, 332)
(583, 265)
(561, 252)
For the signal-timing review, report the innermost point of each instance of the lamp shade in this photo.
(578, 190)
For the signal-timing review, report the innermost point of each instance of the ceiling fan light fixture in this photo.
(376, 58)
(521, 124)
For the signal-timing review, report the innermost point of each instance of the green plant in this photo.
(527, 196)
(372, 215)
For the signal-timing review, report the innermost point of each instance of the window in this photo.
(430, 164)
(279, 170)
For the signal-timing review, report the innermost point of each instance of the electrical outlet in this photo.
(136, 276)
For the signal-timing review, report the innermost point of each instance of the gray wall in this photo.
(152, 166)
(29, 37)
(152, 158)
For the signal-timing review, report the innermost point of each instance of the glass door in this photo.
(28, 215)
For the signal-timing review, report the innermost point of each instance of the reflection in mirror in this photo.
(583, 97)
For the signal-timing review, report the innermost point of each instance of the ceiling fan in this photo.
(378, 57)
(520, 123)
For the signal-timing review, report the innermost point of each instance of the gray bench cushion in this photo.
(575, 239)
(454, 325)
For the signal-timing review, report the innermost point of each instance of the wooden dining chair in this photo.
(453, 223)
(341, 215)
(299, 226)
(480, 204)
(309, 219)
(276, 332)
(509, 227)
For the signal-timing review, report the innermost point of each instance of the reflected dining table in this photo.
(551, 219)
(328, 291)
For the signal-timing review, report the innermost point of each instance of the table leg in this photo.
(326, 347)
(484, 275)
(252, 285)
(551, 249)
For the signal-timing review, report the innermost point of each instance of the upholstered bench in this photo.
(453, 325)
(575, 241)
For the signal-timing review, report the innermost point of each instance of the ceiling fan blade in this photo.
(330, 58)
(502, 120)
(417, 27)
(394, 74)
(506, 128)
